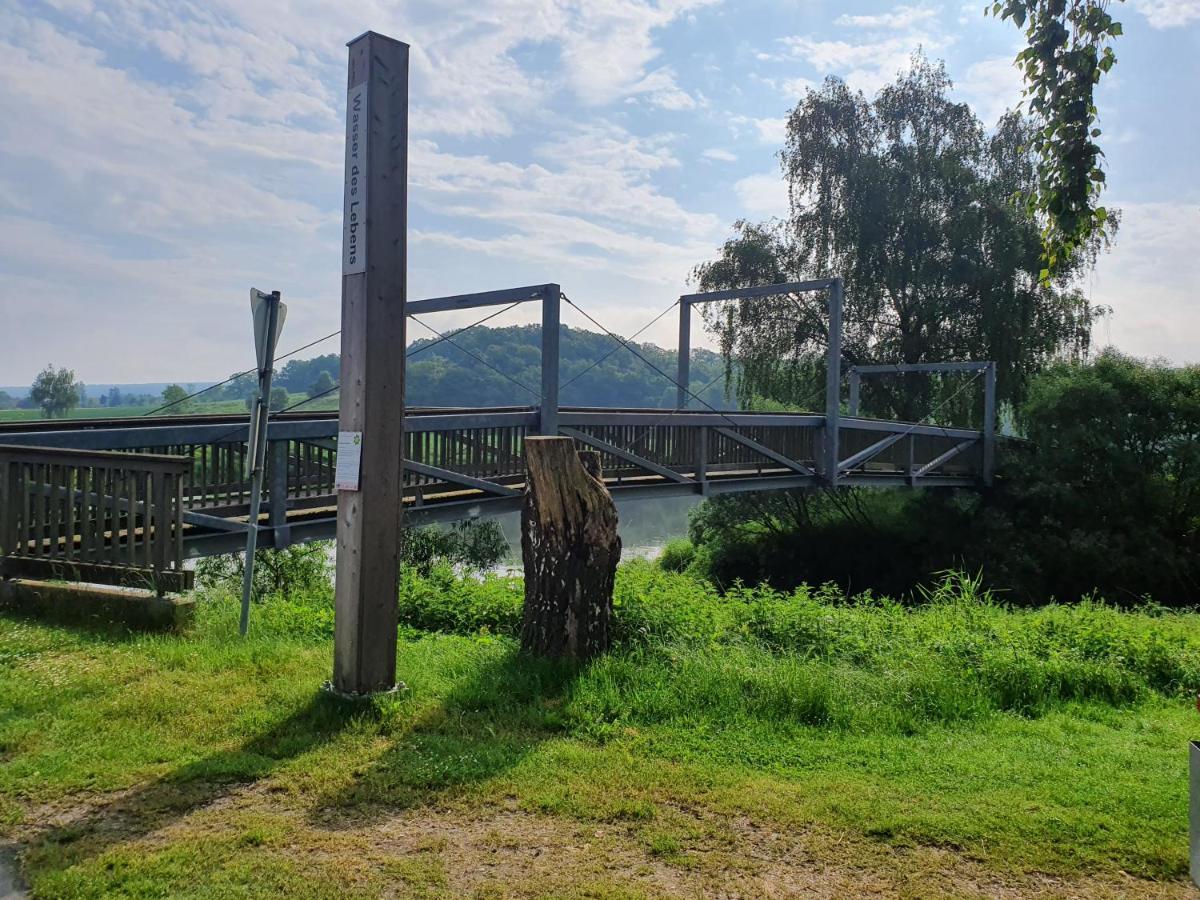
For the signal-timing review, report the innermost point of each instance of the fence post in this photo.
(551, 328)
(685, 354)
(989, 423)
(833, 382)
(8, 507)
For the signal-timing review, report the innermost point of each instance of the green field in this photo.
(196, 407)
(753, 744)
(87, 412)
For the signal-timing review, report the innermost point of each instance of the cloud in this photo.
(1149, 279)
(864, 65)
(991, 86)
(902, 17)
(197, 149)
(795, 88)
(718, 155)
(606, 47)
(881, 46)
(767, 131)
(599, 192)
(661, 90)
(1169, 13)
(763, 195)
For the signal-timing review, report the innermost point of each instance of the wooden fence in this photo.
(95, 516)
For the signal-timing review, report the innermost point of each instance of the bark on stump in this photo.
(570, 548)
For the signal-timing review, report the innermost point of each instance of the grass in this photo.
(725, 740)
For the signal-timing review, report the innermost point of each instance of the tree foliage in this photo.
(322, 385)
(1107, 492)
(1103, 495)
(56, 391)
(909, 200)
(1066, 54)
(594, 371)
(175, 397)
(474, 545)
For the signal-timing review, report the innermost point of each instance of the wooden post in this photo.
(571, 549)
(374, 264)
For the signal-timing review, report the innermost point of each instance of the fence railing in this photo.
(96, 516)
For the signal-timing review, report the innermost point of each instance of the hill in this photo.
(442, 374)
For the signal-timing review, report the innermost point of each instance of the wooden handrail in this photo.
(113, 459)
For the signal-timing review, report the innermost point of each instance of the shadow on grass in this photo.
(485, 726)
(91, 627)
(136, 813)
(482, 726)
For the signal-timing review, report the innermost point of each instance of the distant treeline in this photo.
(594, 371)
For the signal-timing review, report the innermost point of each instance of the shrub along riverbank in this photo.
(953, 739)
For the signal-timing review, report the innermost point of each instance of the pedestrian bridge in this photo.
(128, 499)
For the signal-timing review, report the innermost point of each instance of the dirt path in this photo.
(505, 851)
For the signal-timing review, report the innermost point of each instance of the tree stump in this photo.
(570, 547)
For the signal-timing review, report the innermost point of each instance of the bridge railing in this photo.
(910, 452)
(98, 516)
(455, 459)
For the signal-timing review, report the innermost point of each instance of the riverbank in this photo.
(753, 743)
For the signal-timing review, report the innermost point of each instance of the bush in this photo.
(677, 555)
(1017, 660)
(443, 600)
(1104, 496)
(302, 570)
(473, 544)
(811, 656)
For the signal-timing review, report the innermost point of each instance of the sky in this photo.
(160, 157)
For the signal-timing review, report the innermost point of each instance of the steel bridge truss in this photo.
(461, 463)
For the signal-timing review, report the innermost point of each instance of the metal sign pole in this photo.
(266, 334)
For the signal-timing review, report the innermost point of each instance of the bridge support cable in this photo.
(687, 301)
(605, 356)
(435, 304)
(833, 355)
(683, 387)
(626, 455)
(475, 356)
(943, 459)
(233, 378)
(479, 484)
(632, 349)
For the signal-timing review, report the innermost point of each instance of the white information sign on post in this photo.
(349, 460)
